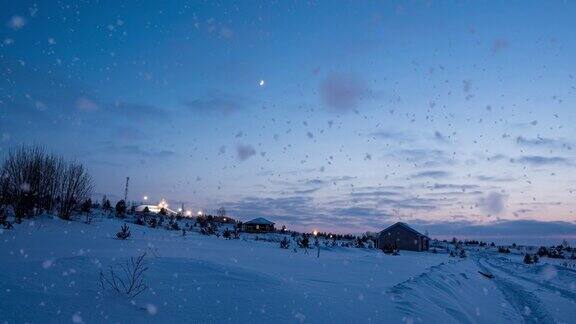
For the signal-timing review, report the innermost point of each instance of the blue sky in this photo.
(442, 114)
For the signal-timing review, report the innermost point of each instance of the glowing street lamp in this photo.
(188, 213)
(199, 213)
(315, 232)
(145, 198)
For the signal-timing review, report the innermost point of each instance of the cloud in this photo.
(536, 160)
(425, 157)
(543, 141)
(342, 92)
(504, 231)
(499, 45)
(217, 103)
(136, 150)
(85, 104)
(495, 178)
(388, 135)
(136, 111)
(244, 152)
(375, 193)
(462, 187)
(492, 203)
(435, 174)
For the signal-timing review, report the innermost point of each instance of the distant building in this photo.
(258, 225)
(155, 209)
(400, 236)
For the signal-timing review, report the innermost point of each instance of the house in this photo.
(258, 225)
(400, 236)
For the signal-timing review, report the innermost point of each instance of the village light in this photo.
(315, 232)
(145, 198)
(188, 213)
(199, 213)
(179, 210)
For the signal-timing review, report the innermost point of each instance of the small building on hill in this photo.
(258, 225)
(400, 236)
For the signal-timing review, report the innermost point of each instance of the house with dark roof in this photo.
(258, 225)
(400, 236)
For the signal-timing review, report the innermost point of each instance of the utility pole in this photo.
(126, 190)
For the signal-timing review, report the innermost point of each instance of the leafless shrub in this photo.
(33, 181)
(75, 187)
(128, 280)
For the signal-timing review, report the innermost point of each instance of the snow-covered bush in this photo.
(4, 219)
(128, 280)
(139, 221)
(124, 232)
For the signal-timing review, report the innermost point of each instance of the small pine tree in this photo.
(285, 243)
(304, 242)
(528, 259)
(106, 205)
(163, 211)
(124, 232)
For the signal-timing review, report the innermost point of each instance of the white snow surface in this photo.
(49, 274)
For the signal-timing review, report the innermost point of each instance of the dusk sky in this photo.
(333, 115)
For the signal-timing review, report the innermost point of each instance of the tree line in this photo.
(34, 181)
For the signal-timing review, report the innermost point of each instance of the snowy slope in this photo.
(50, 274)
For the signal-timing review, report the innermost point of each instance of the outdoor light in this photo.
(200, 213)
(315, 232)
(188, 213)
(145, 198)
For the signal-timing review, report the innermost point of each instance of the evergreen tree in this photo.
(106, 205)
(120, 208)
(86, 206)
(304, 242)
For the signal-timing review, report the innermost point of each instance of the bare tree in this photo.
(128, 280)
(75, 187)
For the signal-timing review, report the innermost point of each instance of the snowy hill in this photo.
(50, 274)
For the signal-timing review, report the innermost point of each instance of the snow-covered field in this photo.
(49, 272)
